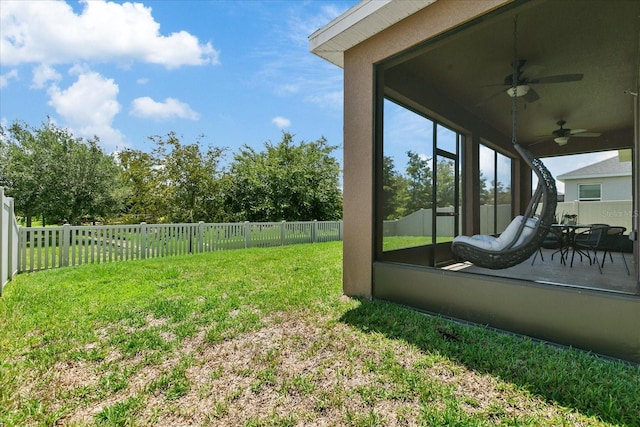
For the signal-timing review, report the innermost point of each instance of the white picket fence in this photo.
(9, 232)
(419, 223)
(43, 248)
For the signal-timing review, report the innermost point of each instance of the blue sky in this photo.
(235, 72)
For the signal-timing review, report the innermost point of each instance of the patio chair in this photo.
(586, 243)
(553, 240)
(612, 241)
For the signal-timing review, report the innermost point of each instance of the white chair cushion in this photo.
(498, 243)
(476, 241)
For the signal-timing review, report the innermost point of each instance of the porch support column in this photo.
(523, 182)
(358, 176)
(635, 221)
(471, 190)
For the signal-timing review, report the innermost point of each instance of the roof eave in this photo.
(364, 20)
(594, 176)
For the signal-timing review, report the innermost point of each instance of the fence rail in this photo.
(42, 248)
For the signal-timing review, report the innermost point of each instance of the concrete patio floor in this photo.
(614, 276)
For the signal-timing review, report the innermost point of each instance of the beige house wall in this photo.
(579, 317)
(613, 188)
(359, 124)
(615, 212)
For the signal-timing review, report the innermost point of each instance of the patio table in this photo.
(568, 237)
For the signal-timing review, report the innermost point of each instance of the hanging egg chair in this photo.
(524, 235)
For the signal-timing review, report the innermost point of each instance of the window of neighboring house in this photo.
(589, 192)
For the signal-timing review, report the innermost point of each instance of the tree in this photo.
(94, 188)
(504, 194)
(419, 186)
(139, 174)
(52, 174)
(494, 193)
(19, 157)
(487, 194)
(446, 183)
(189, 179)
(287, 181)
(394, 190)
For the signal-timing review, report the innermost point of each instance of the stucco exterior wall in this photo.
(359, 125)
(584, 318)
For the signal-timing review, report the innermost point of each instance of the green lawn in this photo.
(263, 337)
(390, 243)
(89, 245)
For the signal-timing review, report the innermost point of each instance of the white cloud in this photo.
(287, 89)
(147, 108)
(89, 107)
(4, 78)
(50, 32)
(405, 130)
(281, 122)
(301, 27)
(78, 69)
(43, 74)
(564, 164)
(285, 66)
(332, 99)
(142, 81)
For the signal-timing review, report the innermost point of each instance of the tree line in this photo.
(408, 192)
(55, 177)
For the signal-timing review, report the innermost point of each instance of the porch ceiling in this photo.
(599, 39)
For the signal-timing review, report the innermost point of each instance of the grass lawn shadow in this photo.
(592, 385)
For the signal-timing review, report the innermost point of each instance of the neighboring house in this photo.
(434, 77)
(609, 179)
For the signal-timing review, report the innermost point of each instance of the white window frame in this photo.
(589, 199)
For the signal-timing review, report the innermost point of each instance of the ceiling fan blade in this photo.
(495, 85)
(539, 140)
(561, 78)
(495, 95)
(531, 96)
(532, 71)
(575, 131)
(586, 135)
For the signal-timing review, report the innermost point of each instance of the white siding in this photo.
(613, 188)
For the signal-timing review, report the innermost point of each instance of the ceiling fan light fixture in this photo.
(562, 140)
(520, 90)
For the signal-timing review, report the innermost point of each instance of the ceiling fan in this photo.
(561, 135)
(525, 79)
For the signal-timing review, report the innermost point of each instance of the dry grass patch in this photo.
(296, 370)
(271, 342)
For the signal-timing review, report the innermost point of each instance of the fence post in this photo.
(247, 234)
(143, 240)
(200, 236)
(283, 233)
(10, 252)
(2, 238)
(314, 231)
(64, 248)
